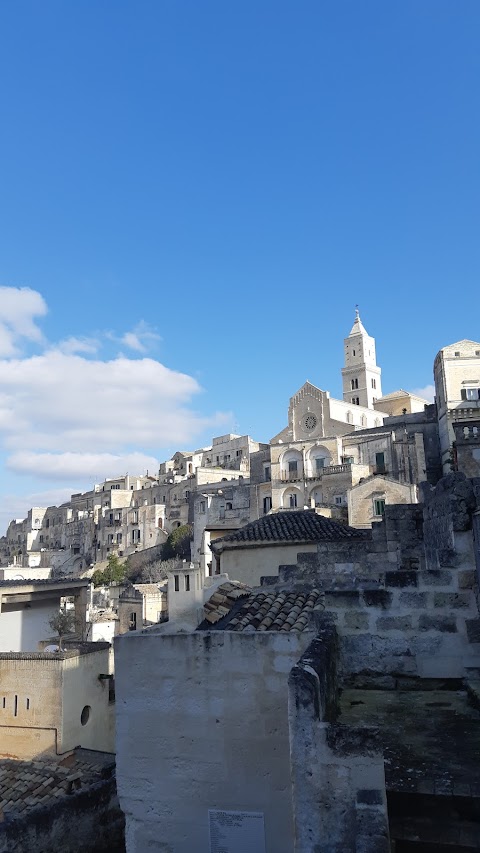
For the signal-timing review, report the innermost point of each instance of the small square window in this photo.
(470, 393)
(457, 354)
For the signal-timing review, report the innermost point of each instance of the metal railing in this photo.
(290, 476)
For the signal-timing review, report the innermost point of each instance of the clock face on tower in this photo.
(309, 422)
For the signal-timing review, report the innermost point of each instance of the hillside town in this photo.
(270, 646)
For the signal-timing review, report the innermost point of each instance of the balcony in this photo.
(291, 476)
(295, 476)
(343, 468)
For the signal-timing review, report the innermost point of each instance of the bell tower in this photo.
(362, 384)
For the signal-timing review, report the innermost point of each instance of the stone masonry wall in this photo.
(396, 543)
(338, 778)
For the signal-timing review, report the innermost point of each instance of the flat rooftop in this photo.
(430, 738)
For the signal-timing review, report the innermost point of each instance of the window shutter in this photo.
(463, 393)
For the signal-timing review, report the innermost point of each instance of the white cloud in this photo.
(67, 415)
(92, 466)
(18, 308)
(70, 346)
(57, 403)
(428, 392)
(131, 340)
(139, 339)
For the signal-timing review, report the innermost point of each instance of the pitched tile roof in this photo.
(223, 599)
(294, 526)
(27, 784)
(240, 609)
(277, 611)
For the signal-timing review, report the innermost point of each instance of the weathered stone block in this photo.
(435, 577)
(377, 598)
(413, 599)
(342, 598)
(370, 797)
(473, 630)
(440, 666)
(401, 578)
(446, 624)
(372, 830)
(394, 623)
(466, 580)
(452, 600)
(357, 620)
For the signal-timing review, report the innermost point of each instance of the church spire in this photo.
(361, 375)
(358, 328)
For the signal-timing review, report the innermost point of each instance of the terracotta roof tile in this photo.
(27, 784)
(295, 526)
(263, 611)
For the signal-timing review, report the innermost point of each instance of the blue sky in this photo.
(193, 198)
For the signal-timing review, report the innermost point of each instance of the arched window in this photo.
(349, 418)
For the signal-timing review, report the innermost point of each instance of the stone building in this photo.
(258, 549)
(400, 403)
(326, 710)
(329, 446)
(218, 511)
(328, 449)
(456, 372)
(466, 447)
(367, 499)
(56, 701)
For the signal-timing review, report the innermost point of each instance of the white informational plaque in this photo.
(236, 832)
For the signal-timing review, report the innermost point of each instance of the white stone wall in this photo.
(81, 688)
(202, 724)
(22, 628)
(361, 417)
(249, 564)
